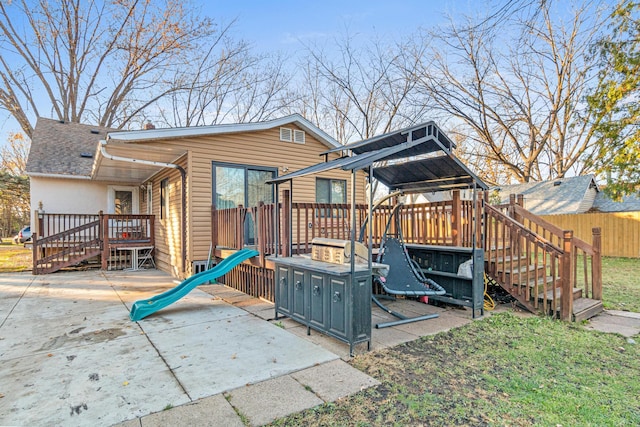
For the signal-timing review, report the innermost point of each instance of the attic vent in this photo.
(86, 155)
(95, 131)
(298, 136)
(285, 134)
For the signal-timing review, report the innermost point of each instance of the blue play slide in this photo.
(145, 307)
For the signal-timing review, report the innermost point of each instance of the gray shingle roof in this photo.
(558, 196)
(59, 148)
(603, 203)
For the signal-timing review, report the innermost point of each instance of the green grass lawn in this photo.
(621, 284)
(14, 258)
(504, 370)
(500, 371)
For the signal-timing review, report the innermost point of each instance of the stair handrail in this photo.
(66, 233)
(553, 229)
(541, 240)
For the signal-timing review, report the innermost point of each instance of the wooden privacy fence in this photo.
(620, 230)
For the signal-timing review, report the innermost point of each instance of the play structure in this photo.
(145, 307)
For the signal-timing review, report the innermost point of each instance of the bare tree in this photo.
(228, 82)
(14, 186)
(515, 88)
(361, 91)
(89, 60)
(13, 154)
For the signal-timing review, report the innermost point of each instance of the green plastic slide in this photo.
(145, 307)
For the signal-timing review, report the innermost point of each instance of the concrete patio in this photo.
(71, 356)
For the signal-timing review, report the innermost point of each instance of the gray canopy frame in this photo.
(413, 160)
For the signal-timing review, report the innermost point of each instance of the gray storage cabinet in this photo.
(325, 297)
(441, 263)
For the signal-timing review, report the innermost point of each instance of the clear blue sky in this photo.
(279, 25)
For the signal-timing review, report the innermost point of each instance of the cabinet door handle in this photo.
(298, 285)
(336, 296)
(316, 290)
(283, 281)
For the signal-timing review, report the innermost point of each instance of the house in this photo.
(177, 175)
(187, 194)
(555, 197)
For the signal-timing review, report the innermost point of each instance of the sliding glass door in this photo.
(235, 185)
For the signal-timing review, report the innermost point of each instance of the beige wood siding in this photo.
(263, 149)
(168, 230)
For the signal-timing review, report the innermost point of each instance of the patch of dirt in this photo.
(74, 336)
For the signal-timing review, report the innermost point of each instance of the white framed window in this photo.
(124, 200)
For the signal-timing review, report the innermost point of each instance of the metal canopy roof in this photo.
(428, 130)
(415, 159)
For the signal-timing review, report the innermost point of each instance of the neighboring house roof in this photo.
(555, 197)
(172, 133)
(63, 149)
(603, 203)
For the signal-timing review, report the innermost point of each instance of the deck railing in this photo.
(63, 240)
(449, 223)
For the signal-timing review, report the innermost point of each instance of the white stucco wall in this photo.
(68, 196)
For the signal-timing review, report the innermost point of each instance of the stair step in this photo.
(506, 259)
(586, 308)
(522, 270)
(577, 294)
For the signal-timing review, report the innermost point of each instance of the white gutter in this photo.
(57, 176)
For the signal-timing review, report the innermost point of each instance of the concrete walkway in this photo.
(70, 355)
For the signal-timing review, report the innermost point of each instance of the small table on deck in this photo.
(139, 256)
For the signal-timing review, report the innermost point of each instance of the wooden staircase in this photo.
(537, 263)
(67, 248)
(66, 240)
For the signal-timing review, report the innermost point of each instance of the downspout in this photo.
(183, 176)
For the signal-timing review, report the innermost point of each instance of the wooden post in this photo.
(596, 264)
(566, 302)
(104, 236)
(456, 218)
(34, 251)
(286, 223)
(214, 227)
(152, 231)
(239, 243)
(512, 202)
(515, 201)
(40, 225)
(261, 234)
